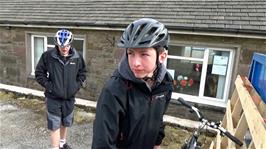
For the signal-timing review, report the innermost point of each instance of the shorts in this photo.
(59, 112)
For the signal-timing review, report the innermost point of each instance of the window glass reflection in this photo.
(186, 75)
(216, 73)
(38, 49)
(186, 51)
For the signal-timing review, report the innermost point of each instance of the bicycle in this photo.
(192, 142)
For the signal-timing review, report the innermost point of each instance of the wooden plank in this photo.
(224, 119)
(236, 114)
(218, 140)
(261, 108)
(231, 145)
(224, 140)
(234, 98)
(255, 97)
(229, 124)
(212, 145)
(216, 144)
(241, 128)
(229, 121)
(254, 120)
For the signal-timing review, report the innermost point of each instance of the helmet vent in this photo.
(139, 30)
(130, 30)
(152, 30)
(160, 37)
(144, 42)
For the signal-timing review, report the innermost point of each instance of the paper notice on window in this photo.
(220, 60)
(219, 70)
(219, 65)
(172, 72)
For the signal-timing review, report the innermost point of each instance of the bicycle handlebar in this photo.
(183, 102)
(210, 124)
(196, 110)
(229, 135)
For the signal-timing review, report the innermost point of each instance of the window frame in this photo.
(201, 98)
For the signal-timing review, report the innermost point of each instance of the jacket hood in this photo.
(125, 71)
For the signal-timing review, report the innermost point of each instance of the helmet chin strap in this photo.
(150, 81)
(154, 75)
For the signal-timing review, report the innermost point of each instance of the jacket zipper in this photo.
(64, 84)
(148, 120)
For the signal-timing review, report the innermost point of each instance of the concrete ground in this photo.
(22, 128)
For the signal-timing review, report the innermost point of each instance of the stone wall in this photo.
(102, 56)
(12, 56)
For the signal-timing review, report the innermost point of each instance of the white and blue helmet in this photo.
(63, 38)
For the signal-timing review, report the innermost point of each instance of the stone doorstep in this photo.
(168, 119)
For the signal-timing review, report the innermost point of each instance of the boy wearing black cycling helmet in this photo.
(61, 71)
(131, 106)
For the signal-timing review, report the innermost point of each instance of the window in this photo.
(200, 75)
(40, 44)
(38, 47)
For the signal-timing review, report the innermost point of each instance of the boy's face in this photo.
(64, 51)
(142, 61)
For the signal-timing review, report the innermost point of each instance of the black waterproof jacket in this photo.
(61, 78)
(129, 115)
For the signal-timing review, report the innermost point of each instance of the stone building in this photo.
(212, 41)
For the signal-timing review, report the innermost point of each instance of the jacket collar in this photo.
(72, 53)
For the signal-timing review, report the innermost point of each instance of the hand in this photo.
(157, 147)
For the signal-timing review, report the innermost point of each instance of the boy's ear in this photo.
(162, 56)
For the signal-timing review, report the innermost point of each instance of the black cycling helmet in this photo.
(63, 38)
(144, 33)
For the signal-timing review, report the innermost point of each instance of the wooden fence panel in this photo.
(245, 113)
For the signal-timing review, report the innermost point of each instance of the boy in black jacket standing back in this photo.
(61, 71)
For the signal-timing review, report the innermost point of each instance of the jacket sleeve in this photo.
(41, 72)
(106, 123)
(81, 77)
